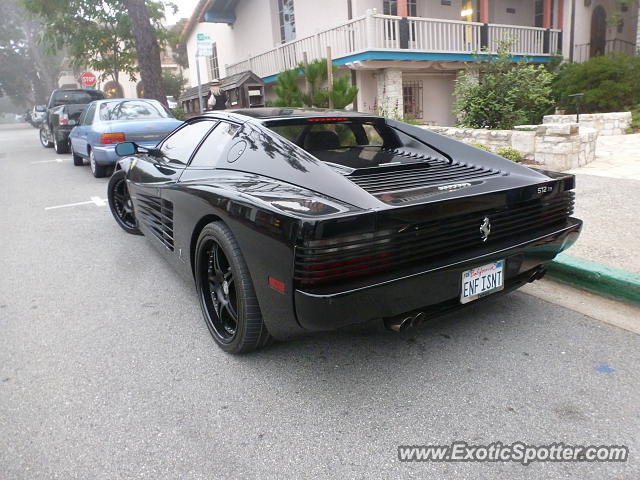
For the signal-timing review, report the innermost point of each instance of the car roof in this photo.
(274, 114)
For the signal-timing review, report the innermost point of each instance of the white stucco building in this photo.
(402, 54)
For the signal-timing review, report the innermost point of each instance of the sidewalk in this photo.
(608, 200)
(606, 257)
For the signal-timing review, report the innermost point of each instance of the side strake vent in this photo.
(435, 171)
(157, 216)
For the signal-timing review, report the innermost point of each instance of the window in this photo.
(66, 97)
(287, 20)
(88, 118)
(208, 155)
(212, 64)
(131, 110)
(178, 147)
(390, 7)
(412, 98)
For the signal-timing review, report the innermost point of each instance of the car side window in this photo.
(88, 117)
(208, 155)
(82, 115)
(178, 147)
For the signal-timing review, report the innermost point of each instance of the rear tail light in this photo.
(63, 119)
(110, 138)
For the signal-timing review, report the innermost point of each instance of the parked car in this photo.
(294, 221)
(63, 110)
(37, 115)
(105, 123)
(171, 102)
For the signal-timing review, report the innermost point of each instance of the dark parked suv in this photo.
(63, 110)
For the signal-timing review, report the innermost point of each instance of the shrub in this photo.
(635, 118)
(609, 83)
(510, 153)
(178, 112)
(481, 146)
(501, 93)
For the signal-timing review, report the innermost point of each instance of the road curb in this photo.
(594, 277)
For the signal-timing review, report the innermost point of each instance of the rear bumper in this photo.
(434, 290)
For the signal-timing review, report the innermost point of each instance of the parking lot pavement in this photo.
(107, 370)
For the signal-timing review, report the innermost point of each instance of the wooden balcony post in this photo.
(370, 30)
(403, 8)
(546, 14)
(560, 19)
(484, 11)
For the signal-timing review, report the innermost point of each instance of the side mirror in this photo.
(125, 149)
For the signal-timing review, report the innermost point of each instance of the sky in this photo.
(185, 9)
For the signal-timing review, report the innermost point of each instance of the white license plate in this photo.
(481, 281)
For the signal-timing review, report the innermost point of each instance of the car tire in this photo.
(60, 146)
(78, 161)
(98, 171)
(227, 298)
(44, 138)
(120, 203)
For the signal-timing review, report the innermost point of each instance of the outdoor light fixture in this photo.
(466, 12)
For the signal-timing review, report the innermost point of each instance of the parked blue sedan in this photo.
(105, 123)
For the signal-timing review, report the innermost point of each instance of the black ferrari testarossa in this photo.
(294, 221)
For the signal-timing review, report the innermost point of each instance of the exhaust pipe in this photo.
(398, 324)
(418, 319)
(403, 322)
(538, 274)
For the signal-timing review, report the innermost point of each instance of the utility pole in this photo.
(200, 102)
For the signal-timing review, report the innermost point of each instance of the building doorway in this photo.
(598, 31)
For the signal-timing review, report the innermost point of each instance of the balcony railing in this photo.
(584, 51)
(375, 32)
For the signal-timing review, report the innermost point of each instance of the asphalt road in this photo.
(107, 370)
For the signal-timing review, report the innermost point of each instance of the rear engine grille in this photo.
(157, 215)
(435, 171)
(427, 241)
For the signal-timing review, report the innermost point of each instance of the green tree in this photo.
(100, 34)
(287, 90)
(317, 93)
(172, 83)
(27, 72)
(178, 44)
(501, 93)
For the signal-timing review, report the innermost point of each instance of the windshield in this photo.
(132, 110)
(71, 97)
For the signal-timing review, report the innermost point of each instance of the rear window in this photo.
(332, 136)
(132, 110)
(70, 97)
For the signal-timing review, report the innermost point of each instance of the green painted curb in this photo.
(608, 281)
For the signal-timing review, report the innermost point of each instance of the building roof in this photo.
(192, 93)
(237, 79)
(213, 8)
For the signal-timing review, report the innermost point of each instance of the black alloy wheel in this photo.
(220, 294)
(120, 203)
(226, 293)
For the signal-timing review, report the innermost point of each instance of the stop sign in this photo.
(88, 79)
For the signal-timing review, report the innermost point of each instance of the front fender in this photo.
(125, 164)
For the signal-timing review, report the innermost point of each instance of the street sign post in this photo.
(88, 79)
(204, 48)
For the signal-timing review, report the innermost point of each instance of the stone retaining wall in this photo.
(560, 146)
(614, 123)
